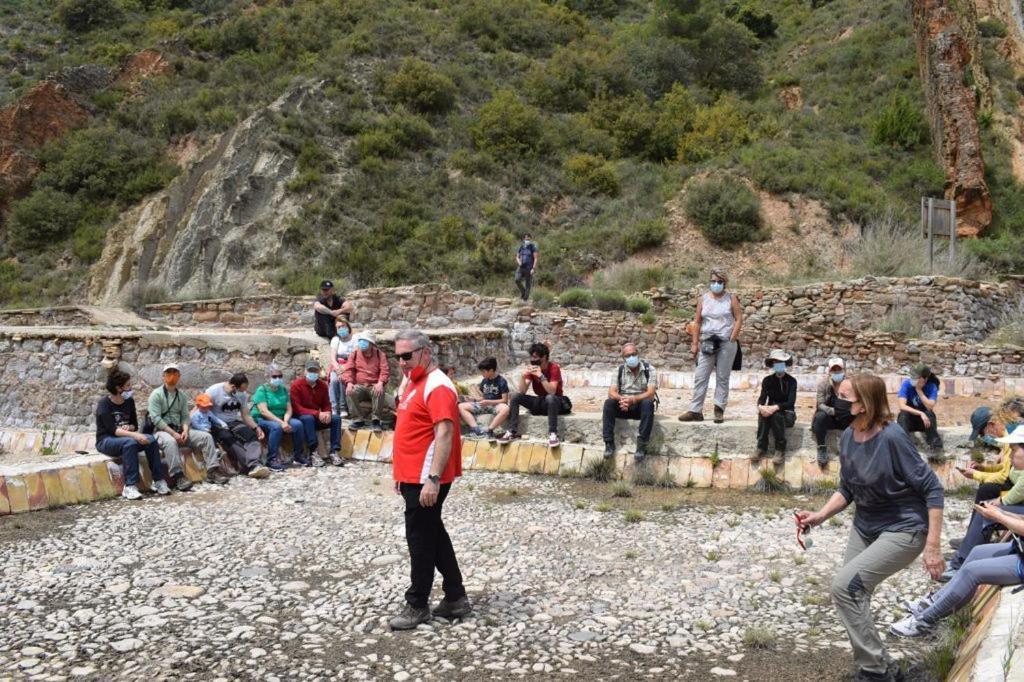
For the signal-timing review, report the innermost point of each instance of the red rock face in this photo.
(944, 57)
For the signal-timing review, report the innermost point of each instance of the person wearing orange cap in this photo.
(203, 421)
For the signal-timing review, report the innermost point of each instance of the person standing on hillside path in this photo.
(527, 258)
(327, 308)
(427, 459)
(715, 331)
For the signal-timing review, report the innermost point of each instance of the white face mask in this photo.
(127, 394)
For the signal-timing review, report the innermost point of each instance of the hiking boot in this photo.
(609, 450)
(409, 618)
(822, 456)
(460, 608)
(553, 441)
(258, 471)
(911, 626)
(779, 459)
(182, 484)
(641, 450)
(131, 492)
(299, 461)
(691, 417)
(760, 453)
(375, 425)
(274, 464)
(868, 676)
(317, 461)
(356, 424)
(215, 475)
(160, 487)
(719, 414)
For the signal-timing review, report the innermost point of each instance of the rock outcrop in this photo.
(945, 55)
(220, 221)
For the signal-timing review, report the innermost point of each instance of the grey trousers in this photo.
(864, 568)
(379, 405)
(721, 364)
(199, 441)
(994, 564)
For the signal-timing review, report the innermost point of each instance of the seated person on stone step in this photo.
(312, 407)
(631, 396)
(117, 435)
(242, 436)
(494, 400)
(986, 427)
(328, 309)
(545, 377)
(832, 413)
(202, 420)
(917, 398)
(1012, 500)
(776, 406)
(366, 377)
(272, 410)
(168, 411)
(342, 346)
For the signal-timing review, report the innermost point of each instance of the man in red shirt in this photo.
(546, 379)
(312, 406)
(427, 457)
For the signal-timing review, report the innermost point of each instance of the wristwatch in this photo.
(434, 478)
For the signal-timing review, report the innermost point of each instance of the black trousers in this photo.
(429, 548)
(989, 491)
(643, 410)
(776, 425)
(911, 423)
(551, 405)
(823, 422)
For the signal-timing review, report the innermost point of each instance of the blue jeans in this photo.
(128, 450)
(311, 425)
(275, 433)
(994, 564)
(976, 534)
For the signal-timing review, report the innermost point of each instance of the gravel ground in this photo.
(295, 578)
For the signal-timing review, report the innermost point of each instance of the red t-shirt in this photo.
(430, 400)
(553, 373)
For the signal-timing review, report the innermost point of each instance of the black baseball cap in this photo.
(979, 420)
(327, 284)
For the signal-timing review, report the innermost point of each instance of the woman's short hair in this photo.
(1010, 410)
(115, 380)
(720, 273)
(871, 393)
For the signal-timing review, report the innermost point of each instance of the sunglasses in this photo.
(277, 376)
(407, 356)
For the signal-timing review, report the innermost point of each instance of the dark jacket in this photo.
(778, 390)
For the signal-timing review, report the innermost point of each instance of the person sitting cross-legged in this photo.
(545, 377)
(494, 400)
(117, 435)
(632, 396)
(776, 406)
(365, 375)
(313, 407)
(272, 410)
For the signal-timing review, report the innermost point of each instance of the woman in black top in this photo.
(117, 435)
(776, 406)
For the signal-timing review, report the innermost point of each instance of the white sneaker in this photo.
(917, 606)
(258, 472)
(161, 487)
(911, 626)
(553, 440)
(131, 492)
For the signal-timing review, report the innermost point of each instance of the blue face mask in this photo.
(311, 377)
(632, 361)
(1010, 426)
(276, 381)
(779, 367)
(343, 333)
(989, 440)
(838, 376)
(364, 345)
(716, 287)
(127, 394)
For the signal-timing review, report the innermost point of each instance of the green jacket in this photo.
(166, 409)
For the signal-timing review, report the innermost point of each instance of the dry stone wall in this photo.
(280, 312)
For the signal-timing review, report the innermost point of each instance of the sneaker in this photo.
(947, 575)
(317, 461)
(335, 458)
(508, 437)
(258, 471)
(460, 608)
(609, 450)
(911, 626)
(409, 618)
(376, 425)
(780, 458)
(719, 414)
(954, 543)
(160, 487)
(917, 606)
(131, 492)
(299, 461)
(641, 450)
(758, 455)
(478, 432)
(822, 456)
(491, 435)
(215, 475)
(182, 484)
(691, 417)
(343, 413)
(356, 424)
(868, 676)
(553, 440)
(275, 465)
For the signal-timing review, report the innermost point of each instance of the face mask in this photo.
(364, 345)
(838, 376)
(1010, 426)
(527, 242)
(276, 381)
(716, 287)
(312, 377)
(127, 394)
(632, 361)
(343, 333)
(417, 373)
(989, 440)
(172, 381)
(842, 406)
(779, 367)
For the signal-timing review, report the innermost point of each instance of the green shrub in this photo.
(575, 298)
(592, 174)
(87, 242)
(393, 136)
(726, 210)
(541, 298)
(633, 278)
(715, 130)
(576, 73)
(507, 128)
(519, 25)
(417, 85)
(649, 317)
(85, 15)
(990, 27)
(900, 125)
(609, 300)
(638, 305)
(760, 23)
(43, 217)
(644, 234)
(890, 247)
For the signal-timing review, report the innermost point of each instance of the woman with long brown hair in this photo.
(899, 514)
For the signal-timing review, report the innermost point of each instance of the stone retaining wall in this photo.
(281, 312)
(70, 316)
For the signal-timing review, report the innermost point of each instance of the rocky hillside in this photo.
(161, 149)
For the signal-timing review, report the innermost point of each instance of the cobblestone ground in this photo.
(295, 578)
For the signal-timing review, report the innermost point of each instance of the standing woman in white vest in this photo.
(715, 330)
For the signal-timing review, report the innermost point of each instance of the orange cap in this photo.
(203, 400)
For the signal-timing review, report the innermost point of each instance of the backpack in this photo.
(646, 369)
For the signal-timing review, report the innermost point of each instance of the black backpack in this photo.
(646, 368)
